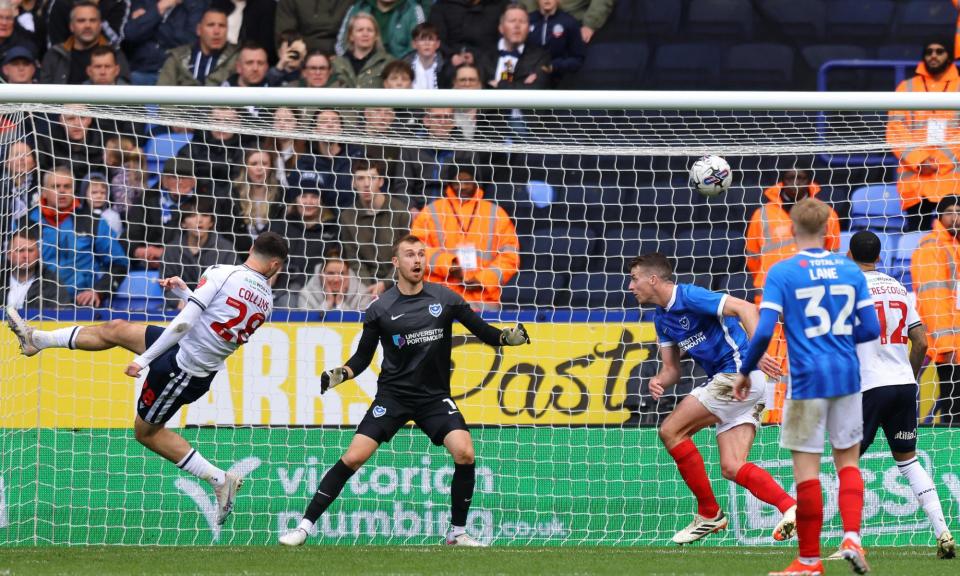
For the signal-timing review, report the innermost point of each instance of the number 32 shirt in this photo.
(817, 293)
(235, 301)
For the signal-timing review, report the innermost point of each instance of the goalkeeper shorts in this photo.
(437, 417)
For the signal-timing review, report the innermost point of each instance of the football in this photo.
(711, 175)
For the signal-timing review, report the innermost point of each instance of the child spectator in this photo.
(430, 69)
(397, 75)
(558, 33)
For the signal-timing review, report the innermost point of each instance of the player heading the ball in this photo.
(707, 326)
(413, 322)
(227, 307)
(819, 294)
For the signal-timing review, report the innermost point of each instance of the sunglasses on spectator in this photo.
(932, 51)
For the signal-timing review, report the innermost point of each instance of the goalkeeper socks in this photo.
(330, 486)
(197, 465)
(461, 493)
(59, 338)
(690, 464)
(851, 498)
(926, 493)
(762, 485)
(809, 518)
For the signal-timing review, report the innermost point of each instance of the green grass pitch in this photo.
(379, 560)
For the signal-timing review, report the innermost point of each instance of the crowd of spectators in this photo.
(333, 43)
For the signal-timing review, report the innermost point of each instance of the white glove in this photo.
(332, 378)
(514, 336)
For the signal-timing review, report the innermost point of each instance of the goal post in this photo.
(169, 180)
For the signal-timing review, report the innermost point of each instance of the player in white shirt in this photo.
(889, 368)
(227, 307)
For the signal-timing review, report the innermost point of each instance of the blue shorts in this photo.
(167, 387)
(893, 408)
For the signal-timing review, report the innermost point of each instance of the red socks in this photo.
(809, 518)
(851, 498)
(759, 482)
(691, 467)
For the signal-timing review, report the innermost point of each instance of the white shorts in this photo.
(717, 397)
(805, 421)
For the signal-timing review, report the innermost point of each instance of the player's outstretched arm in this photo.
(669, 371)
(744, 311)
(172, 335)
(758, 346)
(357, 363)
(176, 285)
(748, 316)
(487, 334)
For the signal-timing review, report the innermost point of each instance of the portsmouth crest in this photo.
(435, 309)
(684, 322)
(379, 411)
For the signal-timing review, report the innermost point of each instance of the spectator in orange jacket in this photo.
(935, 281)
(929, 169)
(770, 233)
(471, 243)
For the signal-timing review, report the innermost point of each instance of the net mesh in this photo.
(564, 429)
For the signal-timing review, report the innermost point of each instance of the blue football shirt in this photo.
(694, 321)
(818, 293)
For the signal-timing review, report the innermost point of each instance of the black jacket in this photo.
(178, 260)
(45, 292)
(307, 246)
(145, 223)
(533, 60)
(467, 25)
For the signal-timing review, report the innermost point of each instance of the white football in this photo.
(711, 175)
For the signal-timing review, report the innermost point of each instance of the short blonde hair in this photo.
(810, 217)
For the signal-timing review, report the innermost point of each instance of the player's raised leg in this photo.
(91, 338)
(676, 433)
(734, 447)
(360, 450)
(460, 445)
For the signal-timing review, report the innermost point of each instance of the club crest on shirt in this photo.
(379, 411)
(684, 322)
(435, 309)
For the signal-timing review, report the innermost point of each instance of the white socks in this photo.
(305, 525)
(455, 531)
(926, 493)
(59, 338)
(197, 465)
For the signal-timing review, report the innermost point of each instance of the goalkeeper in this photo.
(706, 325)
(413, 323)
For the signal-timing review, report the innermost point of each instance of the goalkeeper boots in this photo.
(946, 547)
(854, 553)
(23, 332)
(226, 494)
(700, 527)
(798, 568)
(787, 527)
(295, 538)
(464, 539)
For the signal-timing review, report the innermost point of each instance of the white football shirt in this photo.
(886, 361)
(235, 300)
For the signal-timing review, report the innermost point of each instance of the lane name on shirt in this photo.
(827, 272)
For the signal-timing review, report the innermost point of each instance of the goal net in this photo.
(107, 199)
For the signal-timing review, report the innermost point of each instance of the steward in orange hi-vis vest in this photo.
(471, 243)
(925, 141)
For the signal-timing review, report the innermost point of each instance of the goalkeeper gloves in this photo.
(332, 378)
(514, 336)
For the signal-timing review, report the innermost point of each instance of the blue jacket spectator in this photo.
(80, 248)
(559, 34)
(328, 161)
(156, 26)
